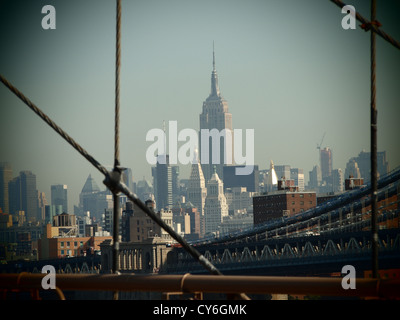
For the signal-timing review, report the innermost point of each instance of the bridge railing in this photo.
(351, 200)
(199, 284)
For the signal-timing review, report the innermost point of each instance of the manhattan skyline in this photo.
(287, 70)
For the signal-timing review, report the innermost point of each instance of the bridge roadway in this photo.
(313, 255)
(82, 264)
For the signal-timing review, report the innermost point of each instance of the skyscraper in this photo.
(5, 178)
(326, 162)
(215, 115)
(196, 191)
(93, 200)
(364, 164)
(297, 175)
(23, 195)
(162, 181)
(59, 196)
(216, 207)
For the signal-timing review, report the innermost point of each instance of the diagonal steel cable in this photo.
(372, 26)
(52, 124)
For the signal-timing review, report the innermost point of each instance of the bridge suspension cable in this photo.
(371, 26)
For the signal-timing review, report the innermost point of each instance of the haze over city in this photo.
(286, 68)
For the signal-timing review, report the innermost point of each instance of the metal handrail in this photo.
(188, 283)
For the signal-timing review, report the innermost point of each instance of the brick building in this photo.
(282, 203)
(52, 246)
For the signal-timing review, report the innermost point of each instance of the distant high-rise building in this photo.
(232, 180)
(127, 178)
(215, 115)
(42, 203)
(162, 181)
(59, 196)
(216, 207)
(144, 190)
(282, 171)
(352, 169)
(337, 180)
(326, 162)
(197, 191)
(363, 161)
(297, 175)
(5, 178)
(175, 183)
(23, 195)
(315, 178)
(94, 200)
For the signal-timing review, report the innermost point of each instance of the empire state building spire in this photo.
(215, 115)
(214, 79)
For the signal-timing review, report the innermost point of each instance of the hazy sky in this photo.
(286, 67)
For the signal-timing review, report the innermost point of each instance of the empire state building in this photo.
(215, 115)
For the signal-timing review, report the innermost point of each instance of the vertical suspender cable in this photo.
(116, 170)
(374, 173)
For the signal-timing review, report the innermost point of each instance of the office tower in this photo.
(50, 211)
(59, 196)
(297, 175)
(196, 191)
(282, 171)
(352, 169)
(144, 190)
(326, 162)
(42, 203)
(215, 207)
(93, 200)
(250, 181)
(162, 181)
(175, 183)
(5, 178)
(337, 180)
(127, 178)
(363, 161)
(315, 178)
(215, 115)
(23, 195)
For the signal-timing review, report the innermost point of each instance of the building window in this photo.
(301, 203)
(68, 244)
(62, 245)
(62, 252)
(81, 244)
(75, 243)
(301, 195)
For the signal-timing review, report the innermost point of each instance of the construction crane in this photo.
(320, 144)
